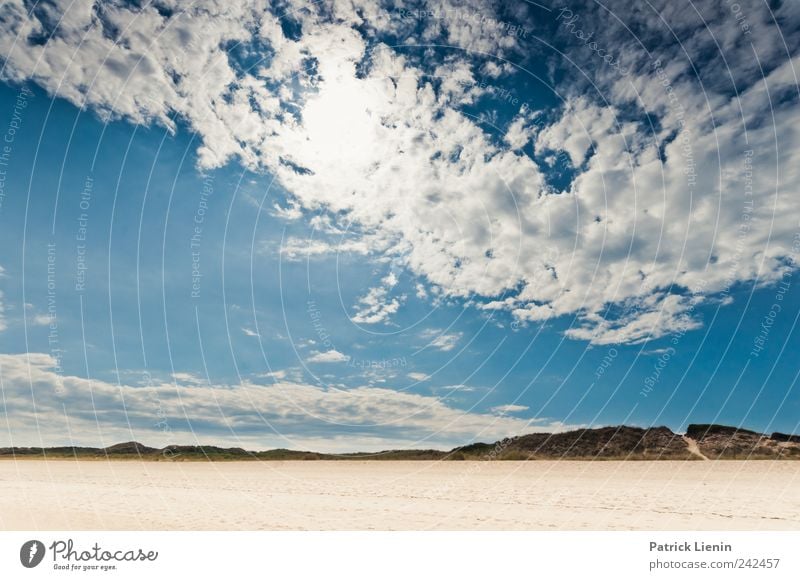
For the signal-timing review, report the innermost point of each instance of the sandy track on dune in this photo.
(691, 446)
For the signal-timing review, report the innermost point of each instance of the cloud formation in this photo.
(43, 407)
(675, 196)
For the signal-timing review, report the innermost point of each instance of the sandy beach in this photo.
(398, 495)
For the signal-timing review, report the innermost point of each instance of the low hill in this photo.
(605, 443)
(701, 441)
(722, 442)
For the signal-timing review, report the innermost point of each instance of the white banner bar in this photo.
(400, 555)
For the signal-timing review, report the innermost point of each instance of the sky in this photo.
(360, 225)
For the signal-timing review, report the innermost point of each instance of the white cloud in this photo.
(41, 320)
(446, 342)
(330, 356)
(249, 332)
(505, 409)
(655, 352)
(74, 410)
(478, 219)
(188, 379)
(419, 377)
(494, 69)
(441, 340)
(295, 249)
(663, 314)
(278, 375)
(289, 213)
(460, 388)
(376, 305)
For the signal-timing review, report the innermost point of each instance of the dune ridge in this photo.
(700, 442)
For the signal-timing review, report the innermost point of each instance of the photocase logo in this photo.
(31, 553)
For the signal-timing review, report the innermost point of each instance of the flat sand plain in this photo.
(399, 495)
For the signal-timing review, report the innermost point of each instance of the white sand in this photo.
(321, 495)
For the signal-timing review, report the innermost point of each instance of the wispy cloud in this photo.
(505, 409)
(70, 409)
(460, 388)
(295, 249)
(441, 340)
(41, 320)
(188, 379)
(329, 356)
(377, 305)
(655, 351)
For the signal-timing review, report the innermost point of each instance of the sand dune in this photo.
(397, 495)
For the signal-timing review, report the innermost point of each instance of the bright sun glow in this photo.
(339, 122)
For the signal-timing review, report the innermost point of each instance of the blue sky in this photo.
(343, 226)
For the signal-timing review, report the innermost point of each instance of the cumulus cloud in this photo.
(674, 199)
(42, 407)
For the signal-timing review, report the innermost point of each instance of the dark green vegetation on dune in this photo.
(605, 443)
